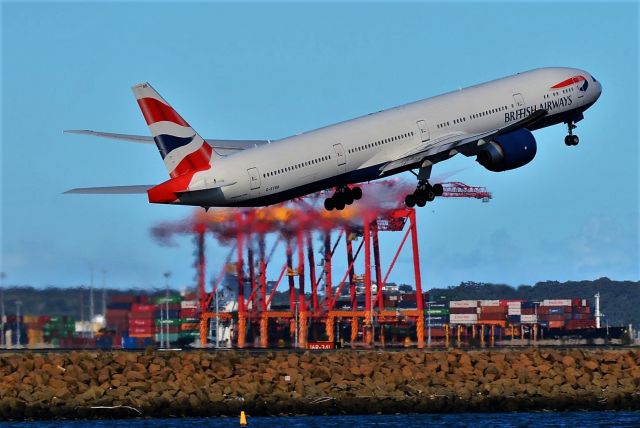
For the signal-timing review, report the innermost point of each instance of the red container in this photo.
(141, 330)
(137, 307)
(493, 310)
(492, 317)
(188, 313)
(556, 324)
(527, 311)
(142, 315)
(123, 298)
(141, 322)
(463, 310)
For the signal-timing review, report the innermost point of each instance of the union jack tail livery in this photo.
(181, 147)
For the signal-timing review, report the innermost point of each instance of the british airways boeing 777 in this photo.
(492, 121)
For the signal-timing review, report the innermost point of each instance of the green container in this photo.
(170, 300)
(189, 333)
(189, 320)
(437, 311)
(173, 337)
(175, 322)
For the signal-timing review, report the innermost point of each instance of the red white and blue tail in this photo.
(181, 147)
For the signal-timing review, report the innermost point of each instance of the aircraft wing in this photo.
(458, 141)
(223, 147)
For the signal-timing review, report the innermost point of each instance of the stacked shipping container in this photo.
(189, 322)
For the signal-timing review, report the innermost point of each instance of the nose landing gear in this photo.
(343, 196)
(571, 140)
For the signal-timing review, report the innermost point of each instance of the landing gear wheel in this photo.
(329, 204)
(571, 140)
(347, 197)
(421, 200)
(429, 194)
(410, 201)
(339, 204)
(356, 192)
(568, 140)
(438, 190)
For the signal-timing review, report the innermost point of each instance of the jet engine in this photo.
(508, 151)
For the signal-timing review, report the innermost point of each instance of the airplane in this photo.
(491, 121)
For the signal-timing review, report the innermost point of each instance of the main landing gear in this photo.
(424, 193)
(343, 196)
(571, 140)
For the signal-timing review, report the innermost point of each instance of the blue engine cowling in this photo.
(508, 151)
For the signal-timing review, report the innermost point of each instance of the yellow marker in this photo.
(243, 418)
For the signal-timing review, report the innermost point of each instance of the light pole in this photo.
(104, 294)
(91, 305)
(296, 330)
(2, 313)
(217, 320)
(429, 324)
(18, 303)
(167, 275)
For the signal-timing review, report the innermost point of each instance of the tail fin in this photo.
(181, 147)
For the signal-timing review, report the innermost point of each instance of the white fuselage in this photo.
(356, 150)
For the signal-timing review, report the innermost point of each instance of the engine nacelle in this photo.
(508, 151)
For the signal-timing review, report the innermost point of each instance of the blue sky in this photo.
(271, 70)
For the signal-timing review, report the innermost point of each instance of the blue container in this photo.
(438, 306)
(104, 342)
(119, 305)
(527, 305)
(173, 314)
(148, 341)
(130, 343)
(513, 319)
(435, 319)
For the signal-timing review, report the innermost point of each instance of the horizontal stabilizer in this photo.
(112, 136)
(230, 146)
(112, 190)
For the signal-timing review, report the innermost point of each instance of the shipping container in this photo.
(119, 306)
(170, 299)
(163, 314)
(142, 330)
(173, 322)
(189, 304)
(172, 337)
(557, 302)
(463, 310)
(489, 303)
(493, 309)
(142, 315)
(529, 319)
(463, 318)
(556, 324)
(463, 304)
(138, 307)
(188, 313)
(141, 322)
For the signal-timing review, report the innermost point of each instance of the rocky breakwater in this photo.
(155, 384)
